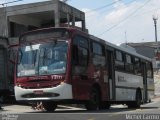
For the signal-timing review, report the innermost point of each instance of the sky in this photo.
(118, 21)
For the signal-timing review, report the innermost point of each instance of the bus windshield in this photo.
(42, 59)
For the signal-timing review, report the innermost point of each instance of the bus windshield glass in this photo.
(42, 59)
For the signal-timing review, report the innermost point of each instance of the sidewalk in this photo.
(156, 96)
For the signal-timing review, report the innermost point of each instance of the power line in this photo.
(10, 2)
(125, 18)
(147, 12)
(100, 13)
(107, 5)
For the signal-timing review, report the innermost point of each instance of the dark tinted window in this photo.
(119, 56)
(129, 63)
(80, 51)
(97, 48)
(119, 62)
(128, 59)
(81, 41)
(83, 56)
(149, 70)
(137, 66)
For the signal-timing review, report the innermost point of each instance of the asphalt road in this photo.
(150, 111)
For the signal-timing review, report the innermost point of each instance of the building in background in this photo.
(15, 20)
(148, 49)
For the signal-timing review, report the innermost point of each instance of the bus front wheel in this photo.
(93, 103)
(49, 106)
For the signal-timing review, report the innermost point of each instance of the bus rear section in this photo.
(134, 83)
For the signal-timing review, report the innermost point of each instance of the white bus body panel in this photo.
(126, 85)
(150, 85)
(64, 90)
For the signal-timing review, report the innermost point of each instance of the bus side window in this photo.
(83, 56)
(80, 54)
(149, 70)
(98, 51)
(75, 55)
(129, 63)
(119, 61)
(137, 66)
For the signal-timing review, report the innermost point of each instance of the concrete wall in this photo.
(34, 15)
(25, 20)
(3, 23)
(32, 8)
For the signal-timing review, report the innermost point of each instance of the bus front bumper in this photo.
(60, 92)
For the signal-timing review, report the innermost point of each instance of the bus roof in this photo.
(121, 48)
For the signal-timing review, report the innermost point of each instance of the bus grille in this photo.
(32, 95)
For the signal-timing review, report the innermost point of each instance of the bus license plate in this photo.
(38, 92)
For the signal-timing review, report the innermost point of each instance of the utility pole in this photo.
(155, 18)
(126, 37)
(155, 25)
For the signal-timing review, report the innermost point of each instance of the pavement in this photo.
(117, 112)
(15, 108)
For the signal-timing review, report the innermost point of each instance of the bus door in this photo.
(111, 73)
(144, 73)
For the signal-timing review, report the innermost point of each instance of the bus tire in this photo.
(104, 105)
(137, 102)
(138, 99)
(93, 103)
(49, 106)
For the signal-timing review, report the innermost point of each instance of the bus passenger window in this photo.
(97, 48)
(119, 62)
(129, 63)
(98, 56)
(149, 70)
(83, 56)
(80, 55)
(137, 66)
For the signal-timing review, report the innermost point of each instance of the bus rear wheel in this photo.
(49, 106)
(137, 102)
(104, 105)
(93, 103)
